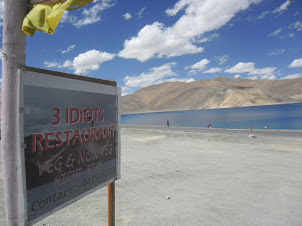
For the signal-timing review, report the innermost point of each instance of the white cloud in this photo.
(127, 16)
(200, 65)
(64, 17)
(242, 67)
(221, 59)
(294, 76)
(209, 38)
(288, 35)
(275, 33)
(177, 7)
(155, 40)
(253, 78)
(282, 7)
(91, 15)
(52, 64)
(262, 73)
(192, 72)
(212, 70)
(296, 63)
(68, 64)
(154, 76)
(91, 60)
(276, 52)
(67, 18)
(237, 76)
(265, 72)
(84, 62)
(296, 25)
(70, 48)
(263, 14)
(268, 77)
(187, 80)
(140, 13)
(125, 91)
(200, 17)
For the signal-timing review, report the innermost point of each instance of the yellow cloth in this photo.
(46, 17)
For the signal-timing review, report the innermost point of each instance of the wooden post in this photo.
(14, 51)
(111, 204)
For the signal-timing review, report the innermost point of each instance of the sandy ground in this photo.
(212, 177)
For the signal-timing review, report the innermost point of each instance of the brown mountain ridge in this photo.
(221, 92)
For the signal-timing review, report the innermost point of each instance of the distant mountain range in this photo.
(221, 92)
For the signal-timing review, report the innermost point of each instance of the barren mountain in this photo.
(221, 92)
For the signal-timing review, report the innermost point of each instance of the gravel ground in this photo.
(197, 176)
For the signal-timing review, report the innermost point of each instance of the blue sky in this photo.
(141, 42)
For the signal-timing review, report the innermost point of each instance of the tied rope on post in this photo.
(46, 15)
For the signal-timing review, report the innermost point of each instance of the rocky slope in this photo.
(221, 92)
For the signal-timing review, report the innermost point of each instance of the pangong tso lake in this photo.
(280, 117)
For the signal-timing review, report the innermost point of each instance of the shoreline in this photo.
(170, 111)
(207, 129)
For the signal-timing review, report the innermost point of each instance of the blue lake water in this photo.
(285, 116)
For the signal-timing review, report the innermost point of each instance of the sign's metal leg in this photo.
(111, 204)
